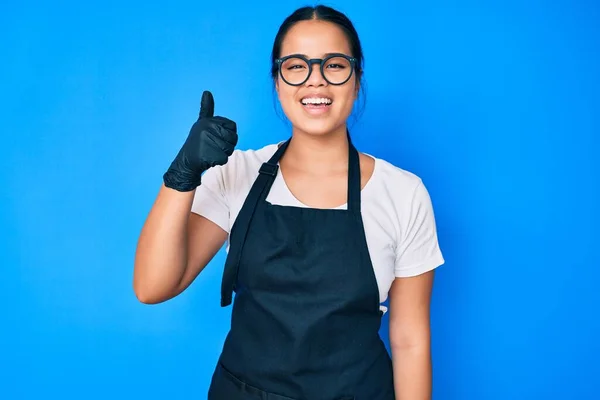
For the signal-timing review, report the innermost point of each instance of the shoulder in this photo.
(250, 157)
(398, 197)
(240, 170)
(224, 186)
(392, 172)
(396, 183)
(254, 156)
(244, 160)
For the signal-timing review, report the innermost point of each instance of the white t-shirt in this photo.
(395, 205)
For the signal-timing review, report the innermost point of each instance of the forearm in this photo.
(161, 255)
(412, 372)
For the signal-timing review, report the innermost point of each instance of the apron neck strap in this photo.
(271, 167)
(353, 178)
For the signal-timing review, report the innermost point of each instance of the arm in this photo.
(176, 244)
(418, 254)
(174, 247)
(410, 336)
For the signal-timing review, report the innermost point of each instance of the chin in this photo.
(316, 128)
(319, 126)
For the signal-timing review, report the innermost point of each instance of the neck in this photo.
(322, 153)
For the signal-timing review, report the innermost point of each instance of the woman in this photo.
(319, 236)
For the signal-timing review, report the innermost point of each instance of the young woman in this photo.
(319, 236)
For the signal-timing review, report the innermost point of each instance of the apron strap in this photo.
(353, 179)
(260, 189)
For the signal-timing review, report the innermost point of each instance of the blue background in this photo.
(494, 105)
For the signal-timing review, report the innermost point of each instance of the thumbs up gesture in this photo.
(210, 142)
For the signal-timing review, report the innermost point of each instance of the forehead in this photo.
(315, 38)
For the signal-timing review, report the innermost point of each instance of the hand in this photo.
(210, 142)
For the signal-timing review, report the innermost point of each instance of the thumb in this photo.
(207, 105)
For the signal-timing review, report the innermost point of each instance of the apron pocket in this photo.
(227, 386)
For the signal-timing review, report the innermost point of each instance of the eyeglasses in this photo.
(335, 68)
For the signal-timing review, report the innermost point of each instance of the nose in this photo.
(315, 78)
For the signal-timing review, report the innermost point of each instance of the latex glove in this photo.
(210, 142)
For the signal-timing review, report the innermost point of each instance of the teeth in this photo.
(316, 100)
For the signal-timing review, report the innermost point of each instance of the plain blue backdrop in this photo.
(494, 105)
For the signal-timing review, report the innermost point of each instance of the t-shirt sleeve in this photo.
(210, 200)
(418, 251)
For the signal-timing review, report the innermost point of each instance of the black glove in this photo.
(210, 142)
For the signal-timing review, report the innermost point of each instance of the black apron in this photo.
(306, 318)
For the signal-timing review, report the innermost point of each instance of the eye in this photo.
(337, 64)
(294, 64)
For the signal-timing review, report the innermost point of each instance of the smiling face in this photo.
(316, 107)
